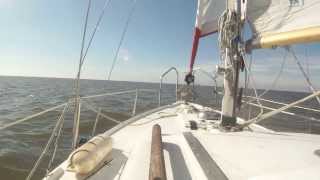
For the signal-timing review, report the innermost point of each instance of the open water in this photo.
(21, 145)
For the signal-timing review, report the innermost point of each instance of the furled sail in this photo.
(208, 14)
(284, 22)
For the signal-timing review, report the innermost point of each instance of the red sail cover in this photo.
(208, 14)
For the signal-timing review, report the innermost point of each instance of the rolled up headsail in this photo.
(208, 14)
(283, 22)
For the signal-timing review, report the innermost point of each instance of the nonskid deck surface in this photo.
(207, 152)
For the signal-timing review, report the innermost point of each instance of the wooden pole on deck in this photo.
(157, 170)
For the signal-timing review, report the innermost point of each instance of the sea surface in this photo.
(21, 145)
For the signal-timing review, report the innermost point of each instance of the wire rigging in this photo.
(77, 80)
(277, 111)
(310, 85)
(121, 39)
(85, 27)
(247, 80)
(34, 168)
(315, 94)
(106, 4)
(56, 143)
(249, 73)
(275, 80)
(83, 55)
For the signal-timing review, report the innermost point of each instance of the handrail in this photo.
(177, 82)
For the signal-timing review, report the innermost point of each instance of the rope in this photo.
(34, 168)
(275, 102)
(56, 142)
(76, 123)
(83, 55)
(253, 84)
(307, 61)
(77, 80)
(275, 80)
(106, 4)
(109, 94)
(246, 83)
(70, 102)
(96, 123)
(85, 27)
(122, 38)
(163, 117)
(92, 108)
(32, 116)
(277, 111)
(311, 87)
(288, 113)
(228, 27)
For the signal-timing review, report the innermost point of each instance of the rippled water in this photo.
(21, 145)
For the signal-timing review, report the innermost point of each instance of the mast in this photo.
(231, 72)
(209, 20)
(292, 23)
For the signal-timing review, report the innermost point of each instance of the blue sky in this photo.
(42, 38)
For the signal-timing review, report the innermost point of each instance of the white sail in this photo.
(207, 19)
(278, 16)
(208, 14)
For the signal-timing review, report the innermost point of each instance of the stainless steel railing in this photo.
(161, 80)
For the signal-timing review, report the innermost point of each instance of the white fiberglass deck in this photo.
(258, 153)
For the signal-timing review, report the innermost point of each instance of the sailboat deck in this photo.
(206, 153)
